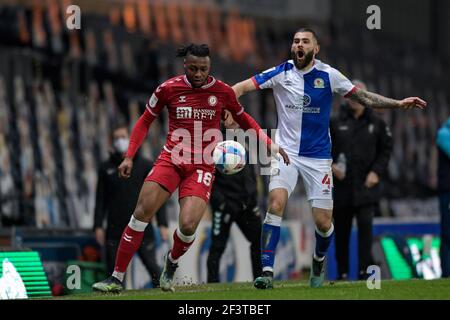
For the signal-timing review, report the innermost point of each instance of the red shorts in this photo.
(192, 179)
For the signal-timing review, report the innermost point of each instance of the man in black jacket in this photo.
(361, 148)
(234, 199)
(116, 196)
(443, 145)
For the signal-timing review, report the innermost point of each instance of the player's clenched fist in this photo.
(125, 168)
(276, 149)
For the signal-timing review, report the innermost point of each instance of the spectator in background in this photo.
(116, 196)
(443, 144)
(234, 199)
(361, 147)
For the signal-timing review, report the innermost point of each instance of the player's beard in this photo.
(307, 58)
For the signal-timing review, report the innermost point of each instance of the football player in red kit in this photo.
(195, 102)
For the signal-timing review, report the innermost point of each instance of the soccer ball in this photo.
(229, 157)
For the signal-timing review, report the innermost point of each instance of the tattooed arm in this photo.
(374, 100)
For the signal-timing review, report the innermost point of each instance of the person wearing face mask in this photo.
(115, 196)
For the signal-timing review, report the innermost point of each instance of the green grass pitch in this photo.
(287, 290)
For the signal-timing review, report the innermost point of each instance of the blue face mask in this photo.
(121, 145)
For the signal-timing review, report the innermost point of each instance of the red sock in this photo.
(179, 246)
(129, 244)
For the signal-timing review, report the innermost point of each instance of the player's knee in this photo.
(276, 206)
(141, 214)
(188, 226)
(323, 225)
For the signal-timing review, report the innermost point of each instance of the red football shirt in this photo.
(192, 111)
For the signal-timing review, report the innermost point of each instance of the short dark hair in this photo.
(198, 50)
(119, 123)
(306, 29)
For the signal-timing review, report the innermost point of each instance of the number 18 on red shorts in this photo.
(191, 179)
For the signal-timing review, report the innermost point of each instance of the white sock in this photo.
(137, 225)
(118, 275)
(326, 234)
(318, 258)
(184, 238)
(172, 259)
(272, 219)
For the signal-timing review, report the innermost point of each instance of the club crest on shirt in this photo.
(319, 83)
(212, 101)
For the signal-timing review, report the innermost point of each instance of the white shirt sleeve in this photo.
(339, 83)
(271, 77)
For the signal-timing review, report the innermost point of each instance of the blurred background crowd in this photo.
(62, 90)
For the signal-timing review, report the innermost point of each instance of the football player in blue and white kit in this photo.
(303, 89)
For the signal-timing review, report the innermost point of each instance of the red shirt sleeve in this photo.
(158, 100)
(244, 120)
(152, 109)
(139, 133)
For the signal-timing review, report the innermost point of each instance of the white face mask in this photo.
(121, 144)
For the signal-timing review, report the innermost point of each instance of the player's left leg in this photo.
(318, 180)
(324, 232)
(194, 193)
(192, 209)
(281, 185)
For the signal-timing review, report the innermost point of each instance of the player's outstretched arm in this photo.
(138, 135)
(374, 100)
(243, 87)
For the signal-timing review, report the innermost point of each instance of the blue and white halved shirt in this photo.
(303, 100)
